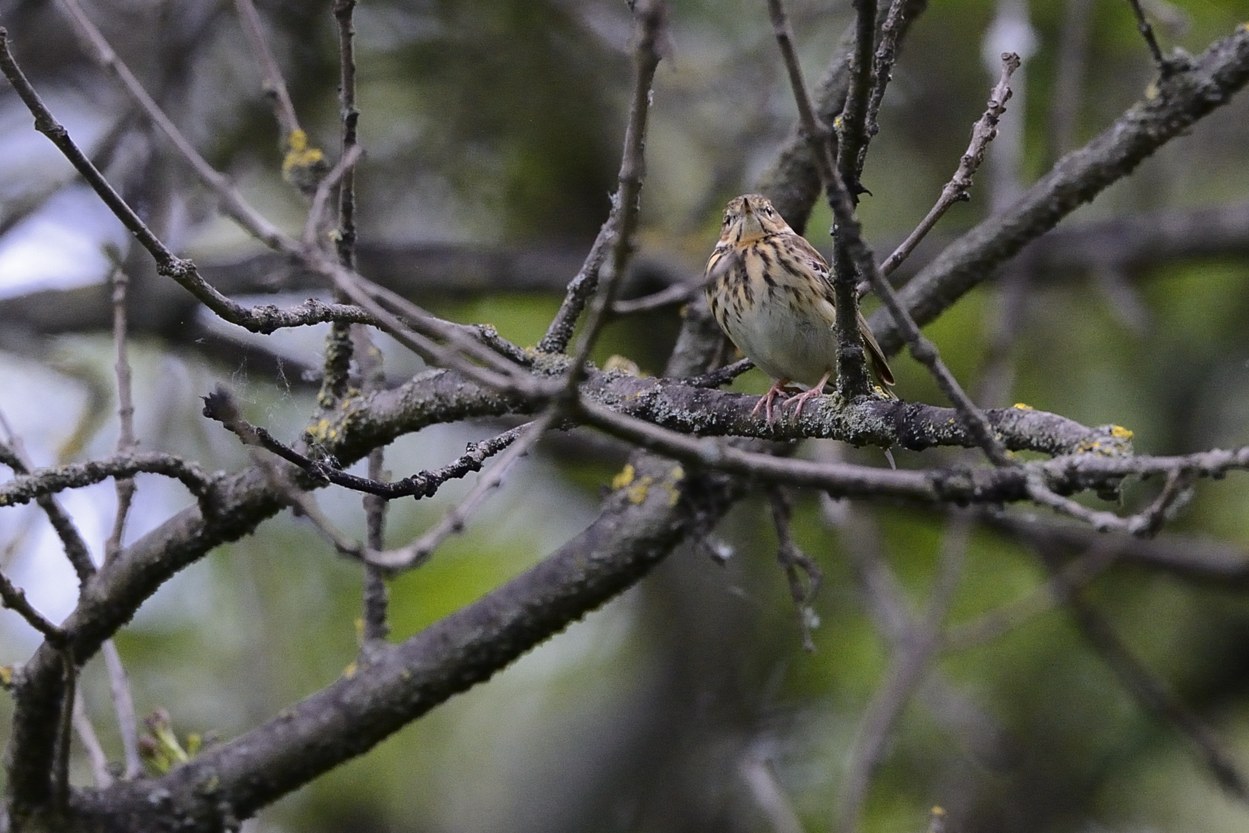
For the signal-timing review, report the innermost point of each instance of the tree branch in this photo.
(1180, 101)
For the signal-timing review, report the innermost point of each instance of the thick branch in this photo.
(353, 714)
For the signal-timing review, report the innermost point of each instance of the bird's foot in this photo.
(765, 402)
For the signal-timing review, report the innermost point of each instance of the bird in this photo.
(771, 292)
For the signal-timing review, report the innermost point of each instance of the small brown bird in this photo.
(771, 292)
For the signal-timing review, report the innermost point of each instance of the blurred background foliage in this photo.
(499, 124)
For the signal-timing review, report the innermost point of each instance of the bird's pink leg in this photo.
(816, 390)
(765, 401)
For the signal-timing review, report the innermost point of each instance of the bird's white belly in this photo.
(783, 345)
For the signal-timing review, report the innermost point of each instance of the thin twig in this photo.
(1209, 81)
(882, 72)
(339, 347)
(617, 232)
(1147, 32)
(509, 379)
(65, 729)
(261, 319)
(957, 189)
(419, 551)
(822, 139)
(127, 443)
(672, 296)
(325, 189)
(14, 598)
(75, 546)
(376, 627)
(344, 13)
(91, 744)
(925, 352)
(126, 439)
(797, 566)
(123, 706)
(720, 376)
(852, 135)
(220, 406)
(273, 83)
(33, 484)
(232, 202)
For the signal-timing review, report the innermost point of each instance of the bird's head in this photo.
(751, 217)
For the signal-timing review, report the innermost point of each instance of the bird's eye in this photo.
(767, 209)
(728, 218)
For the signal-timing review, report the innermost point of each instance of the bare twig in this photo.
(339, 345)
(720, 376)
(419, 551)
(127, 443)
(506, 378)
(325, 189)
(925, 352)
(852, 132)
(818, 134)
(758, 773)
(76, 551)
(957, 189)
(220, 406)
(672, 296)
(801, 571)
(617, 232)
(882, 71)
(344, 13)
(126, 440)
(1164, 66)
(123, 706)
(91, 744)
(232, 202)
(376, 627)
(273, 83)
(12, 597)
(261, 319)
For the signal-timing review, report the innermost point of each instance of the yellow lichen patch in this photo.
(322, 431)
(303, 165)
(6, 676)
(640, 490)
(1120, 433)
(350, 671)
(624, 477)
(1023, 406)
(675, 476)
